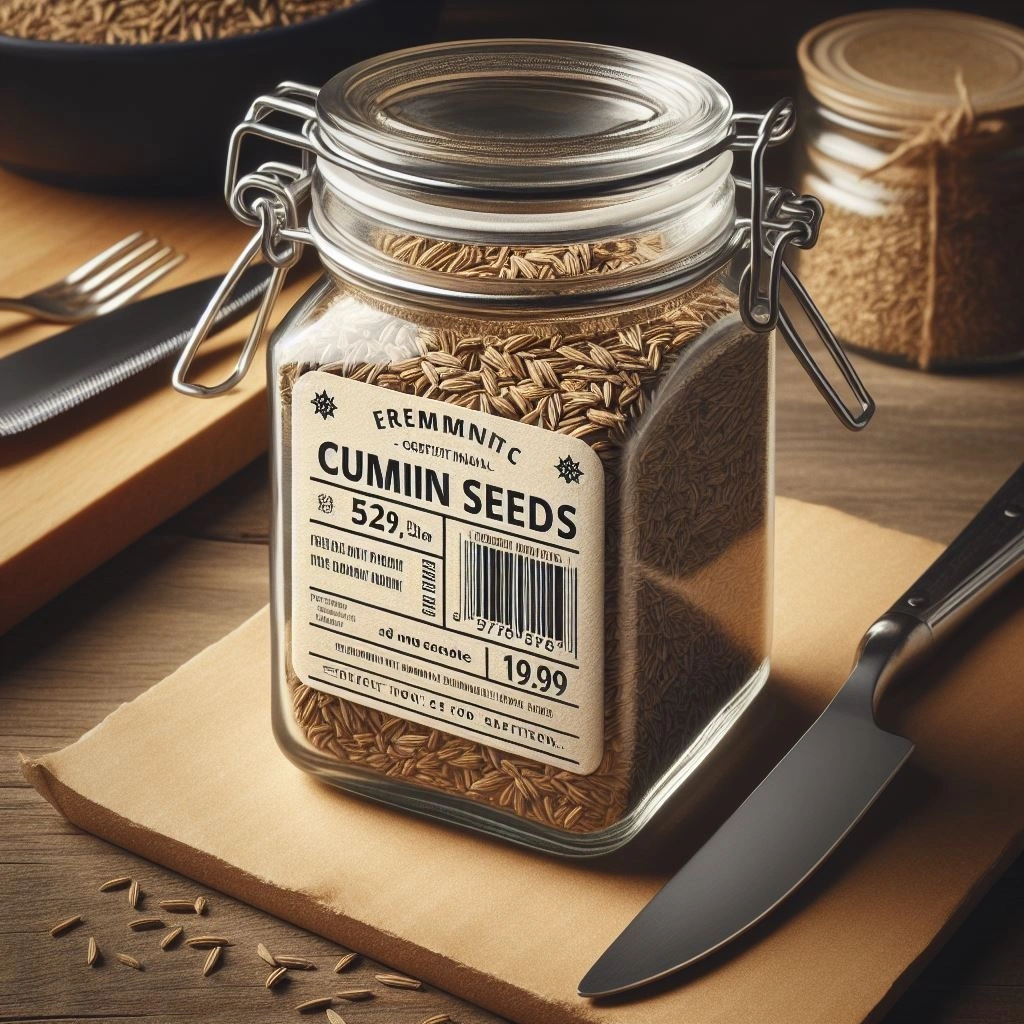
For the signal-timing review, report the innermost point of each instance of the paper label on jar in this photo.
(448, 568)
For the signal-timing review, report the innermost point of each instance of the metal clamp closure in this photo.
(779, 217)
(272, 199)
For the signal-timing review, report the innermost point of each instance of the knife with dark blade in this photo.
(45, 379)
(827, 781)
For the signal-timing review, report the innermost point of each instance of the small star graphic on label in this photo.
(323, 405)
(325, 503)
(569, 470)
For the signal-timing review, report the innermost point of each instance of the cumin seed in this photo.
(92, 953)
(66, 925)
(130, 961)
(398, 981)
(345, 962)
(134, 894)
(171, 937)
(208, 941)
(275, 976)
(312, 1005)
(296, 963)
(177, 906)
(266, 956)
(212, 960)
(116, 883)
(354, 995)
(144, 924)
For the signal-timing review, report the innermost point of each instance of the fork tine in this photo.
(90, 285)
(100, 259)
(161, 263)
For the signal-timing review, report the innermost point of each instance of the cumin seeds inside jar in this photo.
(685, 517)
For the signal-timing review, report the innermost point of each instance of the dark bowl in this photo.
(156, 118)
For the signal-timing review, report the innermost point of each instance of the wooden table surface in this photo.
(938, 447)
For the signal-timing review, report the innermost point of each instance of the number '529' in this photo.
(373, 516)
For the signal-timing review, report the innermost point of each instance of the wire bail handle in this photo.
(779, 217)
(271, 199)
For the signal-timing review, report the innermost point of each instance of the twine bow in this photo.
(954, 131)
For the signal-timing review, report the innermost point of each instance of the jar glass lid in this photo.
(521, 115)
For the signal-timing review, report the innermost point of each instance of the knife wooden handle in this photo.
(985, 555)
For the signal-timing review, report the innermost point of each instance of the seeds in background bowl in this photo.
(135, 22)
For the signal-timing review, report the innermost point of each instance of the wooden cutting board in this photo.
(83, 486)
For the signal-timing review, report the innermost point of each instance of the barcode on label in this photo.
(525, 594)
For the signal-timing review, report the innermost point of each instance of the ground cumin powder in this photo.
(685, 455)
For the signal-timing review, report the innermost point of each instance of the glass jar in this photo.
(521, 430)
(913, 137)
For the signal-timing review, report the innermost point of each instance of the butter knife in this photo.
(43, 380)
(823, 786)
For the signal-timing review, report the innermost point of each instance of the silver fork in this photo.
(108, 280)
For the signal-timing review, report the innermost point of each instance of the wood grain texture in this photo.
(81, 487)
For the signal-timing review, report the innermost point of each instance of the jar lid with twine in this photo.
(943, 88)
(898, 69)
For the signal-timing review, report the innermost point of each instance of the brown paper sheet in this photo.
(188, 775)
